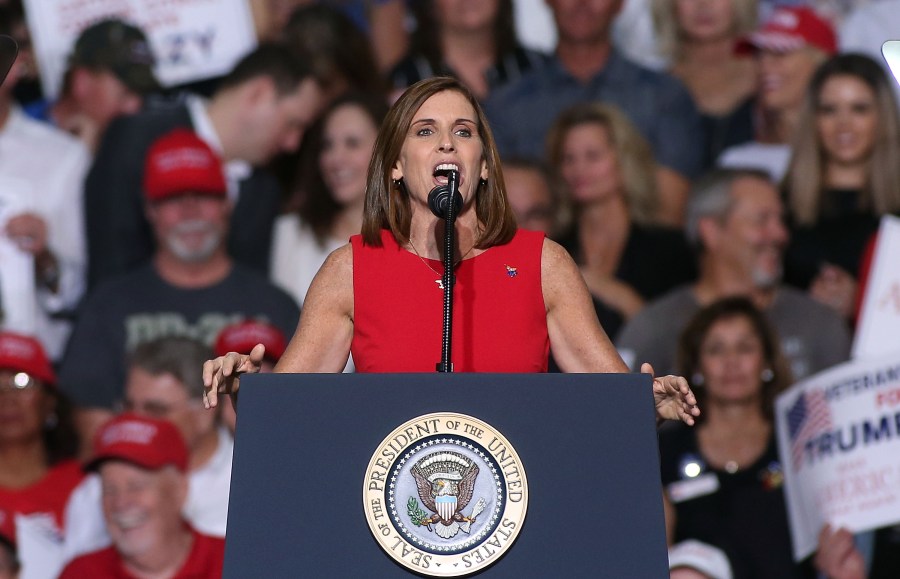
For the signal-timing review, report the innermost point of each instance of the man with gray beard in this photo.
(735, 222)
(191, 288)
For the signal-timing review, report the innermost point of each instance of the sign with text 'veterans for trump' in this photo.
(839, 440)
(878, 329)
(190, 39)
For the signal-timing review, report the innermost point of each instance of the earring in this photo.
(767, 375)
(697, 379)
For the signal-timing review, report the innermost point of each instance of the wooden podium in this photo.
(586, 441)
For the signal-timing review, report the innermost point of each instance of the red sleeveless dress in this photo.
(499, 318)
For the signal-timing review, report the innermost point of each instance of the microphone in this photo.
(439, 197)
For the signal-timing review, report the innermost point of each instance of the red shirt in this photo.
(49, 495)
(499, 317)
(204, 562)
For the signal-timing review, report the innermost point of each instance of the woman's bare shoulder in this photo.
(333, 283)
(554, 254)
(556, 264)
(339, 262)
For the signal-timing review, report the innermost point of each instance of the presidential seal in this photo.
(445, 494)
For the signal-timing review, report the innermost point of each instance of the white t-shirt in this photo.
(297, 257)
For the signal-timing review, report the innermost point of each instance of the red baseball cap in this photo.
(180, 162)
(791, 28)
(149, 443)
(25, 354)
(244, 336)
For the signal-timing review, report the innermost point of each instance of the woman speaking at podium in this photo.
(516, 293)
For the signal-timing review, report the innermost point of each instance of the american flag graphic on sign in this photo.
(808, 417)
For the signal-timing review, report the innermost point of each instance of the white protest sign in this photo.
(191, 39)
(839, 441)
(879, 319)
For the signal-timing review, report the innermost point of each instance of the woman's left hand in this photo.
(673, 397)
(836, 288)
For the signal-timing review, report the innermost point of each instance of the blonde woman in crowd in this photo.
(605, 168)
(843, 176)
(698, 38)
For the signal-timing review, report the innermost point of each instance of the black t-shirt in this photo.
(886, 558)
(654, 261)
(511, 66)
(140, 306)
(839, 237)
(742, 513)
(728, 130)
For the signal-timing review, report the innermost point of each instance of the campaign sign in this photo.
(879, 318)
(839, 441)
(191, 39)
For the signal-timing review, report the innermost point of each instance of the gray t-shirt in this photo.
(130, 309)
(812, 336)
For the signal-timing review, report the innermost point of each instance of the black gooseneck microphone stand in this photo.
(439, 203)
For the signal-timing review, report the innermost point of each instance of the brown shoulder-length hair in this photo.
(317, 207)
(634, 155)
(805, 180)
(691, 343)
(387, 202)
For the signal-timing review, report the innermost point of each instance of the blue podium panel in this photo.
(587, 443)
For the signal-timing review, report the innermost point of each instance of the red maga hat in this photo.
(149, 443)
(179, 163)
(790, 28)
(25, 354)
(243, 336)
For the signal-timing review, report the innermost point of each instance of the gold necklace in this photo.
(440, 280)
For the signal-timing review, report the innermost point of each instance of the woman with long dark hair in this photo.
(843, 176)
(332, 191)
(379, 297)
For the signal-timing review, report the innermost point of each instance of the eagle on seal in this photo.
(446, 482)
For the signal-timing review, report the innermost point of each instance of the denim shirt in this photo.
(522, 112)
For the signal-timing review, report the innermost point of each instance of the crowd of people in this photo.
(704, 178)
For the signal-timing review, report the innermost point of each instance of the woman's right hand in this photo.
(223, 374)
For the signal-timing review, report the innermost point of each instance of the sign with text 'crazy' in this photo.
(839, 441)
(191, 39)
